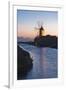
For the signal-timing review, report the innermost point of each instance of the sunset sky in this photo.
(27, 21)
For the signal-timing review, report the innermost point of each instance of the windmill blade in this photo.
(39, 24)
(37, 28)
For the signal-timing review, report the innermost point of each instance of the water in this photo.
(44, 62)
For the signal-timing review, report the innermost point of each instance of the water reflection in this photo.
(44, 62)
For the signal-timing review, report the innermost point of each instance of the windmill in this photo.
(40, 28)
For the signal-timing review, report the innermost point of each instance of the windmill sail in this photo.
(40, 28)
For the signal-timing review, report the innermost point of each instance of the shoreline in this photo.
(24, 62)
(43, 41)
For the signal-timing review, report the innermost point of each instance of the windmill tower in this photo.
(40, 28)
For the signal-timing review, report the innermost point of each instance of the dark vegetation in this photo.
(44, 41)
(24, 63)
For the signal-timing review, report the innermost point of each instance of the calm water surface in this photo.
(44, 62)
